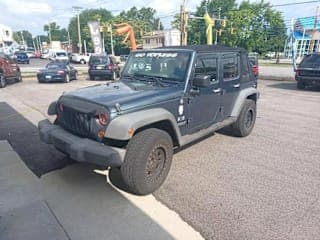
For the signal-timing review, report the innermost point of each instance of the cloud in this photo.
(27, 7)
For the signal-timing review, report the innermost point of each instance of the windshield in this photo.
(167, 65)
(311, 61)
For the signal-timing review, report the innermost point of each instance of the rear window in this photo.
(54, 66)
(61, 54)
(98, 60)
(311, 61)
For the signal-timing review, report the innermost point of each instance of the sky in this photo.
(32, 15)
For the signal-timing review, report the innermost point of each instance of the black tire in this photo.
(91, 77)
(141, 171)
(75, 76)
(113, 76)
(82, 61)
(18, 77)
(3, 81)
(67, 78)
(246, 119)
(300, 85)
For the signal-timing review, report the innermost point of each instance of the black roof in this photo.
(206, 48)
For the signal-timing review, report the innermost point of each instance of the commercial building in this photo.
(161, 38)
(305, 38)
(6, 38)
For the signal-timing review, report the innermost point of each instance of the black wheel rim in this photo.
(249, 119)
(155, 164)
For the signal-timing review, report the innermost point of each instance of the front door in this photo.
(204, 102)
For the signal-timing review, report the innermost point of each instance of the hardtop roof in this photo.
(206, 48)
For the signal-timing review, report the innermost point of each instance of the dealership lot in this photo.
(265, 186)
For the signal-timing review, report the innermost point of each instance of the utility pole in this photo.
(216, 37)
(312, 42)
(183, 24)
(77, 9)
(111, 38)
(69, 42)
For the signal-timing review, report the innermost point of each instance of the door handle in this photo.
(216, 90)
(236, 85)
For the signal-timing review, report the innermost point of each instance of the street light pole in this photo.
(76, 8)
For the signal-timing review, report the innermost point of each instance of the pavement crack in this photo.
(60, 224)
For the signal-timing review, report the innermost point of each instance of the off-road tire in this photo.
(246, 119)
(300, 85)
(141, 171)
(19, 77)
(3, 81)
(67, 78)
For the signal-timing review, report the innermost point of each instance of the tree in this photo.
(23, 35)
(85, 16)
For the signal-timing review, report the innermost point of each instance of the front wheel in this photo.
(82, 61)
(3, 81)
(246, 119)
(67, 78)
(147, 161)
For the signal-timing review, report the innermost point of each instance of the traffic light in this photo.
(220, 32)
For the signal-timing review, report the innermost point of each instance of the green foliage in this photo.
(57, 34)
(24, 34)
(255, 26)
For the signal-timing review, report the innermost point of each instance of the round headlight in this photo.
(103, 118)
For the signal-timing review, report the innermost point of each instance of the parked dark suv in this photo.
(165, 99)
(308, 71)
(8, 70)
(102, 66)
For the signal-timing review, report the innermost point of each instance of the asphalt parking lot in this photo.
(265, 186)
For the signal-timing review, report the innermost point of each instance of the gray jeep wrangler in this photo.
(165, 99)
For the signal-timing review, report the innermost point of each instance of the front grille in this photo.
(310, 73)
(74, 121)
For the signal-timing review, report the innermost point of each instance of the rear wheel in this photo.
(246, 119)
(18, 77)
(75, 76)
(147, 161)
(3, 81)
(301, 85)
(67, 78)
(82, 61)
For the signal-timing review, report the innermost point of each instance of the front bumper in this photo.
(53, 78)
(80, 149)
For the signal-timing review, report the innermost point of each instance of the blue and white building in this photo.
(305, 37)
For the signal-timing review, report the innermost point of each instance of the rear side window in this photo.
(231, 67)
(311, 61)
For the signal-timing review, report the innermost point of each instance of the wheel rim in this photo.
(156, 163)
(249, 119)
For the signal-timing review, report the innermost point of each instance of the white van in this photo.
(59, 55)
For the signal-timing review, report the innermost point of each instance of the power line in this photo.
(294, 3)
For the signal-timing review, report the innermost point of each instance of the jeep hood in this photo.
(127, 97)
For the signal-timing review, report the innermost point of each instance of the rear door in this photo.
(230, 84)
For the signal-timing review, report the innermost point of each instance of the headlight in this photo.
(103, 118)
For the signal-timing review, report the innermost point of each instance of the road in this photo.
(264, 186)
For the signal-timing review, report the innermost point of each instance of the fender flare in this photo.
(119, 126)
(243, 95)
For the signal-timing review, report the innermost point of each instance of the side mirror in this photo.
(202, 81)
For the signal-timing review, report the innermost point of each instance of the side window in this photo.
(230, 65)
(245, 70)
(211, 68)
(207, 66)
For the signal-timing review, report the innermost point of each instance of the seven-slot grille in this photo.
(74, 121)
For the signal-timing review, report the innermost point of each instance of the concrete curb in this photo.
(276, 78)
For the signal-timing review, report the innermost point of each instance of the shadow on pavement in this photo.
(23, 136)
